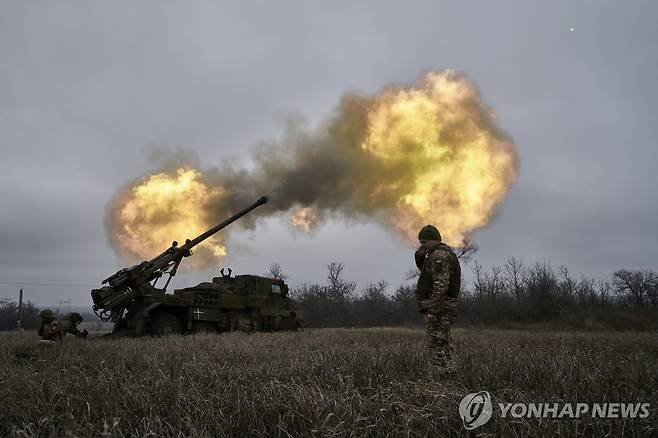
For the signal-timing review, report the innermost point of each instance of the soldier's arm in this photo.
(440, 272)
(73, 329)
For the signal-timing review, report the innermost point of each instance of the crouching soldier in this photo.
(52, 330)
(70, 325)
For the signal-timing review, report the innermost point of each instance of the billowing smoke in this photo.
(407, 156)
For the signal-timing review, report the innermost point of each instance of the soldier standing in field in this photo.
(436, 294)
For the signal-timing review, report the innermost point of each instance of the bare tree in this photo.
(479, 286)
(412, 274)
(639, 287)
(541, 288)
(374, 291)
(496, 283)
(276, 272)
(338, 287)
(585, 290)
(567, 284)
(466, 252)
(603, 291)
(514, 269)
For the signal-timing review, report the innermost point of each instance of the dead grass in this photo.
(330, 382)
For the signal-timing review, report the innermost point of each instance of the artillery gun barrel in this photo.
(194, 242)
(174, 254)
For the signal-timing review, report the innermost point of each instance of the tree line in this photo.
(513, 294)
(9, 315)
(510, 295)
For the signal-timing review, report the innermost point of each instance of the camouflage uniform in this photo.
(437, 291)
(52, 329)
(70, 325)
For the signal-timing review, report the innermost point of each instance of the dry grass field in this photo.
(318, 383)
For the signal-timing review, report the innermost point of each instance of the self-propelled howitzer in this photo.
(136, 306)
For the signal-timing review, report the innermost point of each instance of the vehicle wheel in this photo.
(166, 324)
(288, 324)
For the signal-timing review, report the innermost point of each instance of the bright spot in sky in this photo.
(571, 29)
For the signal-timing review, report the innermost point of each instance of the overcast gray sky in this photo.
(85, 87)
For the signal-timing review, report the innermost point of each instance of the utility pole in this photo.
(66, 302)
(20, 310)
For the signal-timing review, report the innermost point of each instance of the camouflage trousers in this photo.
(438, 321)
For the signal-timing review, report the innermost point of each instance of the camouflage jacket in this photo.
(71, 327)
(440, 278)
(51, 331)
(55, 330)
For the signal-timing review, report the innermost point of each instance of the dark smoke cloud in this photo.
(362, 161)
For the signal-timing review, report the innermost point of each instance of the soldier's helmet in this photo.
(429, 232)
(75, 318)
(47, 315)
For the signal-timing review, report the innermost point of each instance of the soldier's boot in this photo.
(445, 373)
(443, 366)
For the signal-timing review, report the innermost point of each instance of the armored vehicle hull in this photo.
(245, 302)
